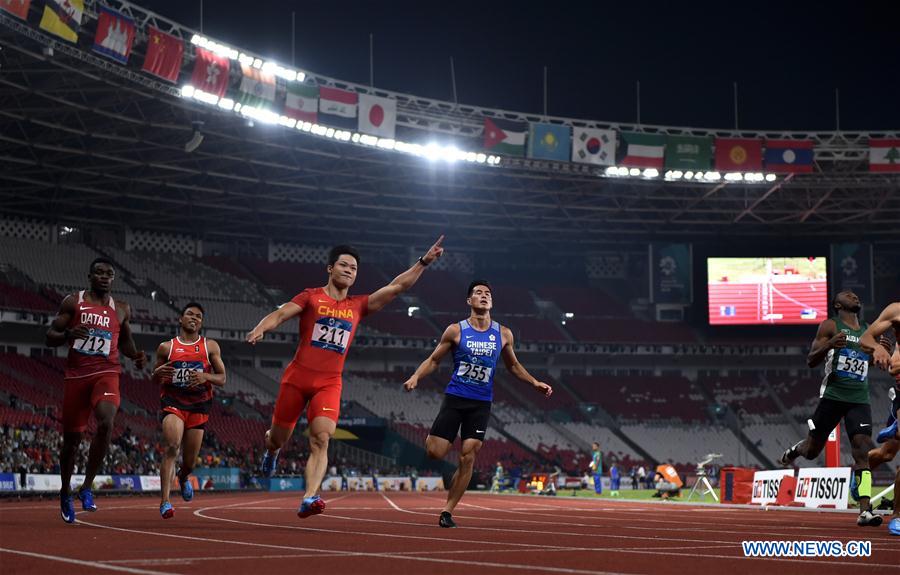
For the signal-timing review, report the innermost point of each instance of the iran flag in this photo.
(377, 116)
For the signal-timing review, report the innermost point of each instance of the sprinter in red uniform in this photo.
(187, 367)
(95, 327)
(328, 320)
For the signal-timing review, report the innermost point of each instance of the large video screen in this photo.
(767, 290)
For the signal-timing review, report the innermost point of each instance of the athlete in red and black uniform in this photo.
(95, 327)
(328, 320)
(187, 367)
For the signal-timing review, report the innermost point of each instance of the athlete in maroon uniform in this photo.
(95, 327)
(187, 367)
(312, 381)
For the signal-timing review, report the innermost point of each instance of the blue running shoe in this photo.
(87, 500)
(67, 508)
(311, 506)
(894, 526)
(854, 487)
(187, 490)
(268, 464)
(888, 433)
(166, 510)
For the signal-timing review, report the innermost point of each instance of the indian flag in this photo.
(302, 102)
(642, 150)
(257, 87)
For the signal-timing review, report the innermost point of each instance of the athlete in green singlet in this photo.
(844, 395)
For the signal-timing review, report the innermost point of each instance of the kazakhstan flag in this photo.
(549, 142)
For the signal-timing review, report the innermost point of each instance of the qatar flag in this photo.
(377, 116)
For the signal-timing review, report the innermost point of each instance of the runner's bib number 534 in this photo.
(852, 364)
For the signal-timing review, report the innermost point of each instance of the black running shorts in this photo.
(857, 418)
(463, 416)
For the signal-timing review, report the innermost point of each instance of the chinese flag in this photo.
(17, 8)
(738, 155)
(164, 55)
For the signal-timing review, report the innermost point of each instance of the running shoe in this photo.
(166, 510)
(787, 458)
(888, 433)
(268, 464)
(66, 508)
(311, 506)
(869, 519)
(187, 490)
(854, 487)
(446, 520)
(894, 526)
(87, 500)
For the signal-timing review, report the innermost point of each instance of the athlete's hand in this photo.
(164, 373)
(542, 387)
(197, 378)
(80, 332)
(255, 335)
(838, 341)
(410, 384)
(881, 357)
(140, 360)
(435, 251)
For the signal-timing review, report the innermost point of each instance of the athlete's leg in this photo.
(827, 415)
(437, 447)
(71, 441)
(76, 411)
(320, 432)
(172, 433)
(105, 415)
(190, 448)
(288, 407)
(463, 474)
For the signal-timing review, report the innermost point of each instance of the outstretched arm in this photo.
(870, 340)
(273, 320)
(404, 281)
(431, 363)
(516, 368)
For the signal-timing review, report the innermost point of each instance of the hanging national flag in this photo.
(789, 156)
(18, 8)
(884, 155)
(302, 102)
(115, 35)
(505, 136)
(210, 72)
(63, 18)
(377, 116)
(257, 87)
(688, 153)
(641, 150)
(592, 146)
(738, 155)
(164, 55)
(549, 141)
(337, 108)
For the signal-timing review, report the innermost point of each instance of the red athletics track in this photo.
(397, 533)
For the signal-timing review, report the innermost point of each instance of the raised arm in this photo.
(273, 320)
(217, 377)
(126, 340)
(516, 368)
(431, 363)
(870, 340)
(59, 334)
(827, 337)
(404, 281)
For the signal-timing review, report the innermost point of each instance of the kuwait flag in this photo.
(738, 155)
(884, 155)
(257, 87)
(789, 156)
(377, 116)
(505, 136)
(302, 102)
(115, 35)
(642, 150)
(337, 107)
(591, 146)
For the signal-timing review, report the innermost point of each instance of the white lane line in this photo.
(84, 563)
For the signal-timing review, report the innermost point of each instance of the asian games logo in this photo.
(667, 265)
(848, 265)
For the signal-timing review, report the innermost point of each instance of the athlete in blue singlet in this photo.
(477, 343)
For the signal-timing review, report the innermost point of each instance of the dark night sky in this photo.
(787, 57)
